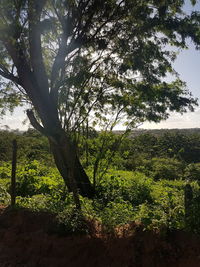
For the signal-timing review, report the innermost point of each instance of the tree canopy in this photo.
(92, 58)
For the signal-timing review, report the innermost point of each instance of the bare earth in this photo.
(27, 240)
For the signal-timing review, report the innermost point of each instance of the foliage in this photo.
(116, 213)
(111, 59)
(71, 220)
(31, 146)
(39, 202)
(169, 197)
(4, 195)
(193, 219)
(103, 153)
(166, 168)
(92, 62)
(36, 179)
(132, 187)
(5, 170)
(6, 145)
(181, 145)
(33, 178)
(153, 195)
(192, 172)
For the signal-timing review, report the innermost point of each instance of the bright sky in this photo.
(187, 65)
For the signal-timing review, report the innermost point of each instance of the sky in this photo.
(187, 65)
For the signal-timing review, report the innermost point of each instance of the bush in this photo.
(134, 187)
(34, 178)
(71, 221)
(193, 210)
(34, 203)
(192, 172)
(166, 168)
(150, 216)
(168, 196)
(116, 213)
(5, 170)
(4, 196)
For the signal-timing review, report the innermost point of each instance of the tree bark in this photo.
(64, 153)
(32, 76)
(67, 162)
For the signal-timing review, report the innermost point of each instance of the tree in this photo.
(90, 60)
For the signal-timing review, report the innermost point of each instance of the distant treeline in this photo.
(31, 145)
(159, 153)
(160, 132)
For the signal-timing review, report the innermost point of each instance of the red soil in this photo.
(25, 241)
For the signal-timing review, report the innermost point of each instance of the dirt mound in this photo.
(25, 241)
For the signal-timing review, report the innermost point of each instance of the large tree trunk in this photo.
(44, 98)
(67, 162)
(64, 152)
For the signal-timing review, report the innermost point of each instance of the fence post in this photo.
(13, 174)
(188, 197)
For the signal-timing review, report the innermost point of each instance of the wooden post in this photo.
(13, 174)
(188, 204)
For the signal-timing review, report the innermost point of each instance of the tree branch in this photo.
(34, 122)
(59, 61)
(23, 69)
(10, 77)
(36, 58)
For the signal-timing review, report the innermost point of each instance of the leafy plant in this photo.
(166, 168)
(71, 220)
(116, 213)
(130, 186)
(192, 172)
(34, 178)
(4, 196)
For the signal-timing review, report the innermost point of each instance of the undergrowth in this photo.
(121, 197)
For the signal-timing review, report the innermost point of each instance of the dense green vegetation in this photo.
(139, 179)
(88, 63)
(85, 64)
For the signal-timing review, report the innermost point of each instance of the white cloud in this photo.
(187, 120)
(14, 121)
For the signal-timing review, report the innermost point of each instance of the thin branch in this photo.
(25, 75)
(59, 61)
(80, 93)
(10, 77)
(78, 123)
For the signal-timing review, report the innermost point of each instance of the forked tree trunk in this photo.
(67, 162)
(63, 150)
(44, 98)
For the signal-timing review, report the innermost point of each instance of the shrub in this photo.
(166, 168)
(116, 213)
(168, 196)
(71, 221)
(192, 172)
(4, 196)
(33, 179)
(34, 203)
(134, 187)
(5, 170)
(193, 212)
